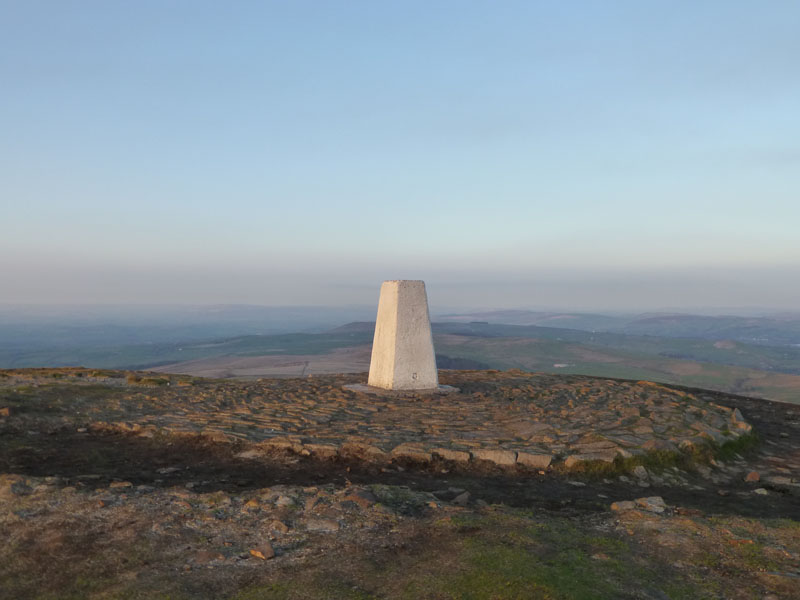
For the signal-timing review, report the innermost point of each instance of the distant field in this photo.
(640, 361)
(730, 364)
(565, 357)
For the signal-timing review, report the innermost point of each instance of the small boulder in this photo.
(284, 500)
(459, 456)
(462, 499)
(263, 551)
(504, 458)
(752, 477)
(534, 461)
(653, 504)
(623, 505)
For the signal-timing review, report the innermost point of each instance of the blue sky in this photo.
(576, 154)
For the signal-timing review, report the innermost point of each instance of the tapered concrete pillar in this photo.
(402, 350)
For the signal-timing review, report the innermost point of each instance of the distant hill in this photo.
(751, 356)
(773, 330)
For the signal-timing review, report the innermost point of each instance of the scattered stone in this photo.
(761, 492)
(640, 472)
(5, 412)
(115, 485)
(622, 505)
(752, 477)
(264, 551)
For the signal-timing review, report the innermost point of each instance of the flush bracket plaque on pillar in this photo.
(403, 359)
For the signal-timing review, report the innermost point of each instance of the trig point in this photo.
(402, 350)
(403, 359)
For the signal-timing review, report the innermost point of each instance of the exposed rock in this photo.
(534, 461)
(454, 455)
(653, 504)
(659, 444)
(622, 505)
(279, 526)
(525, 429)
(505, 458)
(364, 498)
(640, 472)
(284, 500)
(739, 422)
(448, 494)
(412, 452)
(263, 551)
(250, 454)
(324, 451)
(752, 477)
(576, 459)
(462, 499)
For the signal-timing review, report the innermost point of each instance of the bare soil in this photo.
(107, 514)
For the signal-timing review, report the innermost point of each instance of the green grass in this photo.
(514, 556)
(657, 461)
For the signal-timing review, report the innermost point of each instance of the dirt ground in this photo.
(106, 514)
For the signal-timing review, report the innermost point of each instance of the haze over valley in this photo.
(756, 355)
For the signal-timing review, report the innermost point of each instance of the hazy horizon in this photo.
(582, 156)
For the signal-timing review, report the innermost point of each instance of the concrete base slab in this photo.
(376, 391)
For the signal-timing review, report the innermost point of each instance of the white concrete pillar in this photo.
(402, 350)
